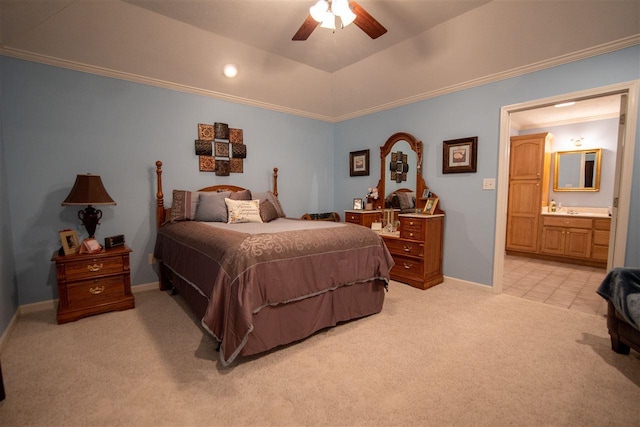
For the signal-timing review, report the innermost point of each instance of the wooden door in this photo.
(578, 242)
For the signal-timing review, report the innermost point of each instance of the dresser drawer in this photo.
(412, 228)
(602, 224)
(96, 291)
(563, 221)
(352, 218)
(405, 247)
(90, 267)
(412, 268)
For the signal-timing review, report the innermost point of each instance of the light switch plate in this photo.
(489, 184)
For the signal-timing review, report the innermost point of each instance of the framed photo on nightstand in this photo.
(69, 239)
(357, 204)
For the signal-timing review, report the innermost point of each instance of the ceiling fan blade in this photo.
(306, 29)
(366, 22)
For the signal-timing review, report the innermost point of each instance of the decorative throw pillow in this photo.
(184, 205)
(405, 200)
(241, 195)
(268, 212)
(268, 195)
(212, 208)
(243, 211)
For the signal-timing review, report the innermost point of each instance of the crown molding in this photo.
(107, 72)
(515, 72)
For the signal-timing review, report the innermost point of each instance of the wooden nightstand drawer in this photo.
(77, 270)
(96, 291)
(405, 247)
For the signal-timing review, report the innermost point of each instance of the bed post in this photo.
(160, 212)
(275, 181)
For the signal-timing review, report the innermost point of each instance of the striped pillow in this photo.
(184, 205)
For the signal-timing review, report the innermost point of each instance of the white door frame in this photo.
(624, 170)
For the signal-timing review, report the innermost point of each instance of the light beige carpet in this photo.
(449, 356)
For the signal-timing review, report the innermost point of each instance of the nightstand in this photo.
(93, 283)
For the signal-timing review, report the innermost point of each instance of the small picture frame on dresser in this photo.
(430, 206)
(426, 193)
(69, 240)
(357, 204)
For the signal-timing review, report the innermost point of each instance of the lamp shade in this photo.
(88, 190)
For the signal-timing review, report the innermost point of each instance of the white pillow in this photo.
(243, 211)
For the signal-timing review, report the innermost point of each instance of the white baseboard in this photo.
(8, 331)
(480, 286)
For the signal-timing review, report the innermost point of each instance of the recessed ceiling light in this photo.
(230, 71)
(564, 104)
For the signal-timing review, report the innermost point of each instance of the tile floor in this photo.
(563, 285)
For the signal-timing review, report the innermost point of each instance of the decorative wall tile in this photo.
(236, 165)
(207, 163)
(205, 132)
(222, 167)
(204, 148)
(222, 149)
(235, 136)
(238, 151)
(221, 131)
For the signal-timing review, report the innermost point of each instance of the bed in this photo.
(257, 284)
(621, 289)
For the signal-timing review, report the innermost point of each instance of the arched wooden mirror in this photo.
(401, 168)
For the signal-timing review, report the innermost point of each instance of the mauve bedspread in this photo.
(241, 273)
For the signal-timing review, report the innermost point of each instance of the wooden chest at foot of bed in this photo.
(93, 283)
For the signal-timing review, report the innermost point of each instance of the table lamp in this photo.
(88, 190)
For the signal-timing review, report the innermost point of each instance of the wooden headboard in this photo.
(162, 213)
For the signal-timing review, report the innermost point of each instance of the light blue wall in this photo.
(58, 123)
(471, 211)
(8, 290)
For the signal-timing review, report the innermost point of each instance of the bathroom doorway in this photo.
(627, 94)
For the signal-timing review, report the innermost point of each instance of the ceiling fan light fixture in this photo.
(319, 10)
(341, 8)
(329, 21)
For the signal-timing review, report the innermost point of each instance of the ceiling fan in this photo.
(325, 12)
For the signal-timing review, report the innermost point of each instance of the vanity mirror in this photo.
(577, 170)
(407, 177)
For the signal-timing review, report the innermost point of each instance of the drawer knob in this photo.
(407, 248)
(97, 290)
(95, 267)
(407, 265)
(411, 234)
(410, 222)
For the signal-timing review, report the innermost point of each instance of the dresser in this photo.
(417, 250)
(93, 283)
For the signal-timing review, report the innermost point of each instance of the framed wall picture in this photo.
(359, 163)
(430, 206)
(357, 203)
(459, 155)
(69, 239)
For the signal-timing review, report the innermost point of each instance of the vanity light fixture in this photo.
(577, 141)
(230, 71)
